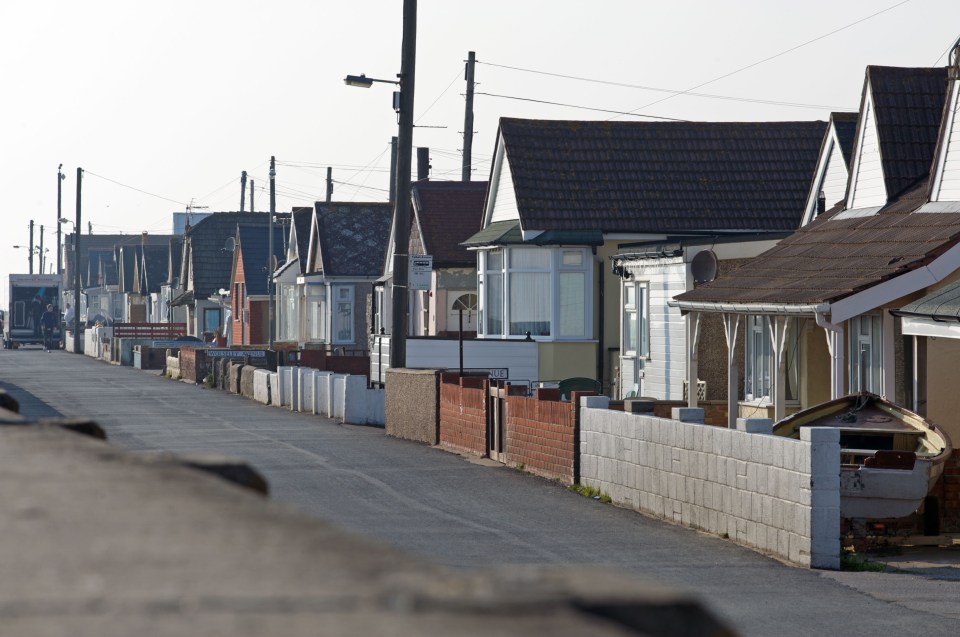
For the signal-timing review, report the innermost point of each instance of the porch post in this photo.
(836, 347)
(887, 364)
(731, 326)
(693, 335)
(778, 338)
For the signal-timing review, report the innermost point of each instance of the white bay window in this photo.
(543, 292)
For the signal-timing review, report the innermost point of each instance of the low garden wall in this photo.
(778, 495)
(540, 434)
(413, 404)
(463, 413)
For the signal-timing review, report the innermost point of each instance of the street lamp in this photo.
(401, 205)
(60, 178)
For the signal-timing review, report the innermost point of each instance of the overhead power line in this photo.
(114, 181)
(586, 108)
(772, 57)
(665, 90)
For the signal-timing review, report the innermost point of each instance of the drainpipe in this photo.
(834, 335)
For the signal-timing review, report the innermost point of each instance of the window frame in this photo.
(791, 355)
(338, 296)
(554, 268)
(874, 340)
(641, 307)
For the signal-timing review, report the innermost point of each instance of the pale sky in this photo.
(177, 98)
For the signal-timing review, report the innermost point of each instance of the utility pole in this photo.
(271, 309)
(393, 169)
(243, 189)
(401, 207)
(30, 249)
(329, 184)
(251, 196)
(40, 252)
(468, 119)
(60, 178)
(76, 268)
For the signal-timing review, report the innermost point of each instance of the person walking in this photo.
(48, 320)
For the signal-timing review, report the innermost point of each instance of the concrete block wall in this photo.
(463, 414)
(412, 404)
(275, 389)
(777, 495)
(261, 386)
(338, 396)
(306, 388)
(362, 406)
(246, 381)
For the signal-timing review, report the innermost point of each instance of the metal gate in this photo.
(496, 417)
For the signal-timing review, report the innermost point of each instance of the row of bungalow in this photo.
(762, 267)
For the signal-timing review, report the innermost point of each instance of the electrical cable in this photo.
(772, 57)
(586, 108)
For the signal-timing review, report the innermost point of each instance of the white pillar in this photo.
(778, 339)
(731, 326)
(693, 335)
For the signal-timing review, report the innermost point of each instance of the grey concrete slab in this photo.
(459, 513)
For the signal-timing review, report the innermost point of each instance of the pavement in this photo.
(468, 516)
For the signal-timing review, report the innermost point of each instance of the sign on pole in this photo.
(421, 267)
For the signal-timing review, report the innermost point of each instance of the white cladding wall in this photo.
(868, 186)
(770, 493)
(666, 367)
(505, 203)
(950, 181)
(835, 177)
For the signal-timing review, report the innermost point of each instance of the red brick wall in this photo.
(463, 414)
(541, 434)
(193, 363)
(322, 360)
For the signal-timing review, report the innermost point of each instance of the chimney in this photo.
(144, 238)
(423, 164)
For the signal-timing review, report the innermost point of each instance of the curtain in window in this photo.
(572, 304)
(530, 303)
(494, 304)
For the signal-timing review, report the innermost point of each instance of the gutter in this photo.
(751, 308)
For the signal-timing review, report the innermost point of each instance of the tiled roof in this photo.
(908, 103)
(93, 242)
(448, 213)
(128, 255)
(302, 219)
(156, 259)
(661, 176)
(210, 261)
(942, 304)
(353, 237)
(253, 241)
(846, 126)
(834, 257)
(830, 259)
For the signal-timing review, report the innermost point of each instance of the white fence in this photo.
(520, 358)
(339, 396)
(774, 494)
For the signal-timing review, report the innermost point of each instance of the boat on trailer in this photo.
(890, 457)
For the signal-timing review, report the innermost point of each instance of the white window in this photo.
(866, 354)
(343, 314)
(635, 320)
(541, 292)
(289, 312)
(379, 315)
(758, 369)
(316, 312)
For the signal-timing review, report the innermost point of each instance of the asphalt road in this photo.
(468, 514)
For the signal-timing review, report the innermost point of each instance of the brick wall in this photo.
(541, 434)
(193, 363)
(463, 413)
(714, 411)
(322, 360)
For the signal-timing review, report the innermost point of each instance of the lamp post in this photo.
(30, 252)
(401, 206)
(60, 178)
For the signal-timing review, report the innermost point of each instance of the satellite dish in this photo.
(704, 266)
(230, 244)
